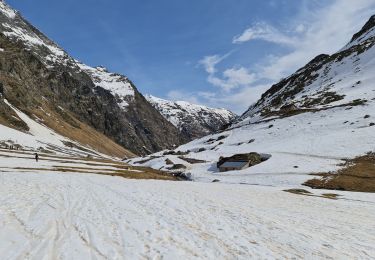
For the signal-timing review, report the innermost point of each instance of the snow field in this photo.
(77, 216)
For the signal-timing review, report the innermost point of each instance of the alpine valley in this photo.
(92, 169)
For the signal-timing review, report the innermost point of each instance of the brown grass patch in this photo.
(144, 173)
(357, 175)
(191, 160)
(303, 192)
(330, 195)
(298, 191)
(61, 159)
(111, 168)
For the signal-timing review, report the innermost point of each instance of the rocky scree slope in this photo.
(42, 80)
(306, 123)
(192, 120)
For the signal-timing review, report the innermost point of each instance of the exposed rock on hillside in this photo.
(192, 120)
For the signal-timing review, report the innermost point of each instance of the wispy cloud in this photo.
(237, 101)
(265, 32)
(231, 78)
(209, 62)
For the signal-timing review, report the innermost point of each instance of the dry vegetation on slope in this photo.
(64, 164)
(357, 175)
(79, 132)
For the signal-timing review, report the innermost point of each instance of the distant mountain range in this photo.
(191, 119)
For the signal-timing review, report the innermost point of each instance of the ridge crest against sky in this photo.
(220, 53)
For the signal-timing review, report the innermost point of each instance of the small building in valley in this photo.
(238, 162)
(234, 166)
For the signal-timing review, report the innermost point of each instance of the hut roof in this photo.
(238, 164)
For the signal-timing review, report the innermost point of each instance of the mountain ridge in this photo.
(192, 119)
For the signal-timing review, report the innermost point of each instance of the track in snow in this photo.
(83, 216)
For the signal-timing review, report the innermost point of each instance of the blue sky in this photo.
(221, 53)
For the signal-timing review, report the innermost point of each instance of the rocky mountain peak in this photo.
(191, 119)
(369, 26)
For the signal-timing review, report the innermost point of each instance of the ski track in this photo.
(83, 216)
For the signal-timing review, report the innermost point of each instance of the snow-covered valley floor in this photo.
(52, 215)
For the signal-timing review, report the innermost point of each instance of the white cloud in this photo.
(238, 102)
(209, 62)
(232, 78)
(265, 32)
(300, 28)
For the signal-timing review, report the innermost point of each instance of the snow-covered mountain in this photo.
(307, 123)
(191, 119)
(74, 100)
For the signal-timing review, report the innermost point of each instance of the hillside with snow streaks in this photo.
(40, 138)
(307, 123)
(117, 84)
(192, 119)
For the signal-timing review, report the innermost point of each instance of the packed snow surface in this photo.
(46, 215)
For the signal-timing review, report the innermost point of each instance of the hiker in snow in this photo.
(36, 157)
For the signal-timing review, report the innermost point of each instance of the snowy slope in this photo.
(41, 138)
(85, 216)
(195, 120)
(306, 123)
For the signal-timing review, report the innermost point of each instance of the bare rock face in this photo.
(35, 72)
